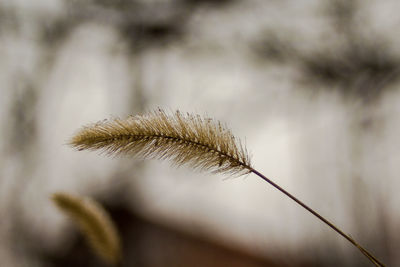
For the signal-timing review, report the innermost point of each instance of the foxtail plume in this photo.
(188, 139)
(95, 224)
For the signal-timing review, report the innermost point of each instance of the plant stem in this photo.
(372, 258)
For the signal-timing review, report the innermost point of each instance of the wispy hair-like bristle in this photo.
(201, 143)
(95, 224)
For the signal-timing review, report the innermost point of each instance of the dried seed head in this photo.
(201, 143)
(94, 223)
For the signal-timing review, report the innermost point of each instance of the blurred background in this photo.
(313, 87)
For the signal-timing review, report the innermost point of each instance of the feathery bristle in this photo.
(201, 143)
(94, 223)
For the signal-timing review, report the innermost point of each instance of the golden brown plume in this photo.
(183, 138)
(94, 223)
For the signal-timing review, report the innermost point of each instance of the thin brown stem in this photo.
(372, 258)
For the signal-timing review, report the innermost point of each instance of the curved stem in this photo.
(372, 258)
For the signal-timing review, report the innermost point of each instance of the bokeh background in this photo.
(311, 86)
